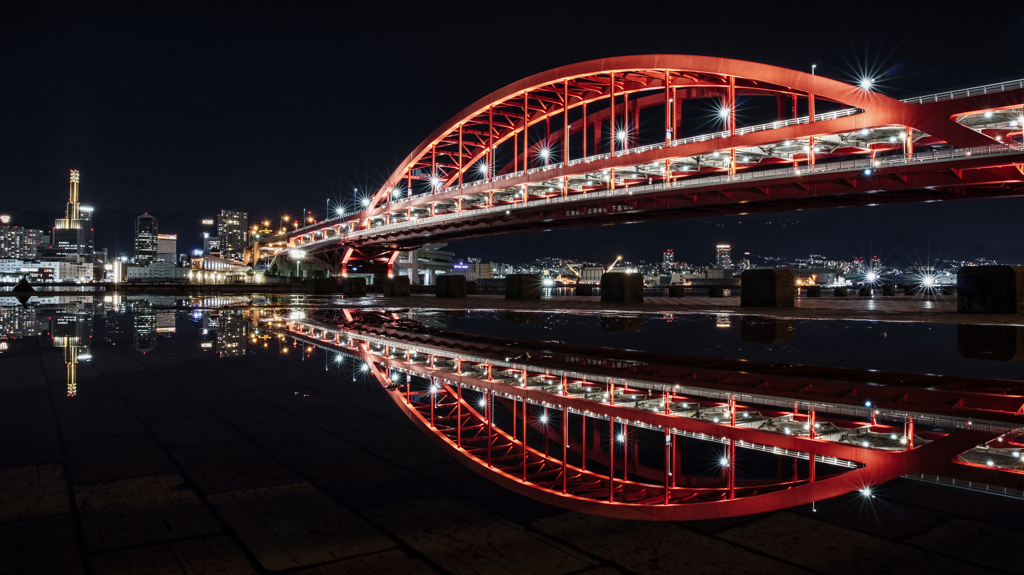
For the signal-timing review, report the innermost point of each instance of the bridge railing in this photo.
(967, 92)
(702, 181)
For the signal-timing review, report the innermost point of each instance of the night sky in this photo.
(170, 108)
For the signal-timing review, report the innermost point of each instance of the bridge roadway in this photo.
(867, 149)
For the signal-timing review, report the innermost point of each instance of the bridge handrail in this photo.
(700, 181)
(967, 92)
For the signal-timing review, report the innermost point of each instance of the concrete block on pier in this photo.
(990, 342)
(767, 288)
(755, 329)
(471, 288)
(888, 290)
(840, 292)
(321, 285)
(583, 289)
(450, 286)
(864, 292)
(397, 287)
(622, 288)
(522, 286)
(990, 289)
(717, 292)
(354, 286)
(813, 291)
(676, 291)
(632, 322)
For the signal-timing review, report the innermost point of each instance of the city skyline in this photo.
(256, 172)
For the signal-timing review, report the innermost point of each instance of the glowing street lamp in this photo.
(866, 83)
(365, 202)
(298, 256)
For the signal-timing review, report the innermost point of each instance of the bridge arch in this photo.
(467, 141)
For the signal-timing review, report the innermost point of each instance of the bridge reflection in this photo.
(667, 437)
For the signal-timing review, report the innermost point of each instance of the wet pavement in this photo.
(186, 459)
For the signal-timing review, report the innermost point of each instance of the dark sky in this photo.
(166, 106)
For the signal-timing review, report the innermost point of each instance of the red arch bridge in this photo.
(564, 148)
(584, 428)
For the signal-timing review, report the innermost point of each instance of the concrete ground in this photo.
(176, 461)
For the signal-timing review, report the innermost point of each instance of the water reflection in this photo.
(990, 342)
(756, 329)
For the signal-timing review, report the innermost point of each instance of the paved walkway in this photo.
(175, 461)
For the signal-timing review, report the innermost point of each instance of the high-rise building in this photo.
(723, 257)
(73, 234)
(668, 257)
(146, 244)
(232, 233)
(19, 243)
(167, 247)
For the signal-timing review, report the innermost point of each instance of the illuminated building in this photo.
(669, 257)
(146, 244)
(19, 243)
(73, 234)
(144, 327)
(723, 257)
(167, 247)
(232, 233)
(233, 329)
(73, 332)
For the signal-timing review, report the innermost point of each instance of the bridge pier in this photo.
(990, 289)
(622, 288)
(767, 288)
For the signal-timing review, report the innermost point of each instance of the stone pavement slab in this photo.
(141, 511)
(193, 430)
(217, 555)
(33, 491)
(463, 539)
(100, 425)
(384, 563)
(294, 438)
(830, 549)
(990, 546)
(361, 479)
(29, 446)
(297, 525)
(119, 458)
(223, 467)
(653, 547)
(45, 546)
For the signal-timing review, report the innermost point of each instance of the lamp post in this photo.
(297, 255)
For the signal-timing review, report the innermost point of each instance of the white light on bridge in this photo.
(341, 211)
(865, 83)
(365, 202)
(621, 135)
(724, 462)
(723, 112)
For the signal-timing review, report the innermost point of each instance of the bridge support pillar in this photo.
(622, 288)
(451, 285)
(990, 289)
(522, 286)
(414, 266)
(767, 288)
